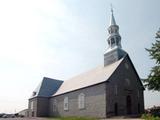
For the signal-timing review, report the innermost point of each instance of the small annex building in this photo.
(112, 89)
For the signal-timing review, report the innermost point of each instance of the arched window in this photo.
(116, 89)
(54, 105)
(66, 103)
(138, 94)
(31, 105)
(127, 82)
(81, 101)
(112, 42)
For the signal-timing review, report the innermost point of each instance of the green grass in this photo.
(73, 118)
(149, 117)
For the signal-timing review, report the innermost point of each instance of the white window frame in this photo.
(66, 106)
(81, 101)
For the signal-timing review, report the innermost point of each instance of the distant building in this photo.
(108, 90)
(24, 113)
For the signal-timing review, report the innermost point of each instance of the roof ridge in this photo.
(89, 78)
(51, 78)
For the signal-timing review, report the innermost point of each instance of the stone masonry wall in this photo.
(42, 106)
(95, 103)
(127, 84)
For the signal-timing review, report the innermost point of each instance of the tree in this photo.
(153, 80)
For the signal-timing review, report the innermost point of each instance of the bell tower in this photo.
(114, 51)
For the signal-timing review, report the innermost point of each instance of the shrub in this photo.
(150, 117)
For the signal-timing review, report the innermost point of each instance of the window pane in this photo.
(66, 103)
(81, 101)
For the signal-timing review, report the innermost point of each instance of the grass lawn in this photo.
(73, 118)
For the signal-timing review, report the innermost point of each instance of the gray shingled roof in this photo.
(47, 87)
(95, 76)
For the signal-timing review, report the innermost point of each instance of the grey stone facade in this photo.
(39, 107)
(127, 83)
(95, 105)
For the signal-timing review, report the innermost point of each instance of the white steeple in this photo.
(114, 39)
(114, 51)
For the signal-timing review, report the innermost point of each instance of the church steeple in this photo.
(114, 51)
(114, 39)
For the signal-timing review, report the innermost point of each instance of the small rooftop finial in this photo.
(111, 8)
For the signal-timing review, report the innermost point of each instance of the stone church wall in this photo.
(38, 107)
(95, 102)
(124, 82)
(42, 106)
(32, 107)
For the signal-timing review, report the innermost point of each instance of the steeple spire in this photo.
(114, 51)
(114, 38)
(112, 20)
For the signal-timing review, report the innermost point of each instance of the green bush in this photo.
(149, 117)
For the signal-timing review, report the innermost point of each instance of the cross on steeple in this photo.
(111, 9)
(112, 20)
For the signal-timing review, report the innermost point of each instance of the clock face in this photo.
(126, 66)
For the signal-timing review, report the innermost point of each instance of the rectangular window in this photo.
(66, 107)
(81, 101)
(55, 105)
(31, 105)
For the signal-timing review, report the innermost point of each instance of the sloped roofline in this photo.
(127, 56)
(40, 87)
(136, 72)
(111, 69)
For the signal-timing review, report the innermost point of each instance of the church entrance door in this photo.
(116, 109)
(129, 104)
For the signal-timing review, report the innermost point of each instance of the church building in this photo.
(111, 89)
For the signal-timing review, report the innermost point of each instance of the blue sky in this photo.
(62, 38)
